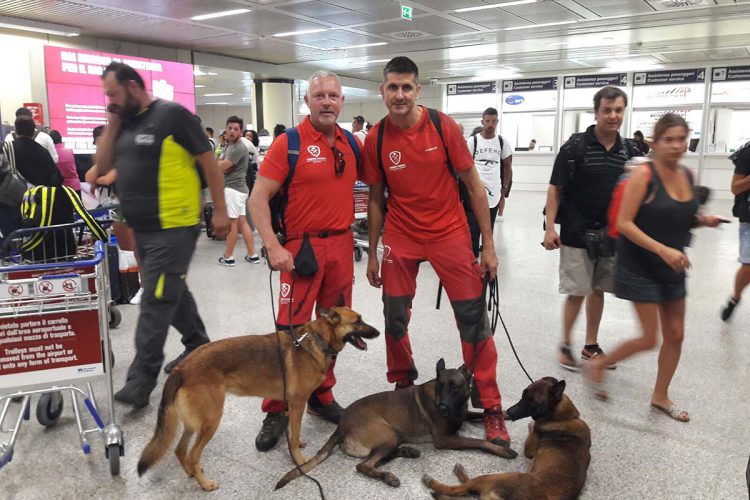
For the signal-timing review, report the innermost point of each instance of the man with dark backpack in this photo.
(583, 178)
(492, 159)
(309, 173)
(417, 156)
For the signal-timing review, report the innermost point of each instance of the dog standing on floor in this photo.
(375, 427)
(559, 445)
(195, 391)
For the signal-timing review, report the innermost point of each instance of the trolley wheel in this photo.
(115, 316)
(48, 408)
(357, 254)
(113, 453)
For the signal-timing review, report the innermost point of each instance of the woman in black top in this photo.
(657, 213)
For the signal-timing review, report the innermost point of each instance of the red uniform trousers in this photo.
(462, 279)
(333, 280)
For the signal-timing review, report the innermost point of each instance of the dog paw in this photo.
(391, 480)
(509, 453)
(427, 481)
(407, 452)
(460, 473)
(209, 485)
(302, 443)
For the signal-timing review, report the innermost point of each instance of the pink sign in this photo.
(77, 102)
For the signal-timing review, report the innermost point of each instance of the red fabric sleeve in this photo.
(275, 165)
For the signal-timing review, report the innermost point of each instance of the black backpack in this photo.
(741, 207)
(575, 150)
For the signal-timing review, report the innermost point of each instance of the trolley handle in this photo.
(99, 253)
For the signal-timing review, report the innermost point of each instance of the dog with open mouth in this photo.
(195, 390)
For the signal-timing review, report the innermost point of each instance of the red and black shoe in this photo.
(494, 427)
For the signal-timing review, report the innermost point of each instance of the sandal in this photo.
(598, 389)
(673, 412)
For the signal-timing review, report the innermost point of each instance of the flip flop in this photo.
(673, 412)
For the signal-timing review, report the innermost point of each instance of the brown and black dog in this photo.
(375, 427)
(248, 366)
(559, 443)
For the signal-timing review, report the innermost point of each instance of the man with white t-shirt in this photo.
(41, 138)
(492, 159)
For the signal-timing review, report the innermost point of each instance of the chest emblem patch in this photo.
(313, 150)
(395, 157)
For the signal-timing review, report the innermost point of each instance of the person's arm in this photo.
(551, 238)
(632, 198)
(375, 216)
(215, 181)
(225, 165)
(507, 174)
(479, 205)
(105, 145)
(740, 184)
(264, 189)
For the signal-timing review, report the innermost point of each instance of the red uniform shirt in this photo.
(318, 198)
(422, 192)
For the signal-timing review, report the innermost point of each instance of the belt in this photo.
(316, 234)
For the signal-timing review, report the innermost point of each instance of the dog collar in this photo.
(318, 341)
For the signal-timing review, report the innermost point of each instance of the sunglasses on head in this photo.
(338, 162)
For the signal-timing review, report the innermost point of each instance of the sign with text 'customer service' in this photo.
(731, 73)
(528, 84)
(470, 88)
(670, 77)
(595, 81)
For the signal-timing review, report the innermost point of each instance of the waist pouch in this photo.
(598, 243)
(305, 263)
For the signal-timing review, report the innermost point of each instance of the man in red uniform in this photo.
(320, 207)
(426, 222)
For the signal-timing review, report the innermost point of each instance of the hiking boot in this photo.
(494, 427)
(331, 412)
(566, 360)
(176, 361)
(403, 384)
(273, 427)
(134, 393)
(230, 262)
(589, 353)
(728, 309)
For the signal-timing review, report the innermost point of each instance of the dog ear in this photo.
(330, 315)
(464, 371)
(557, 390)
(440, 366)
(552, 380)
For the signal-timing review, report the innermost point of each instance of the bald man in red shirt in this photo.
(426, 222)
(320, 208)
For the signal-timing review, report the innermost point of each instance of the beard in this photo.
(129, 110)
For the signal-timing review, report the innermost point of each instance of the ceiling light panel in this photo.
(223, 13)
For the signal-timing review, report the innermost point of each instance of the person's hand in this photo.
(711, 220)
(675, 259)
(113, 118)
(373, 271)
(488, 262)
(220, 222)
(551, 239)
(280, 259)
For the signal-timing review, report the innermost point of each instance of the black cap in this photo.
(359, 119)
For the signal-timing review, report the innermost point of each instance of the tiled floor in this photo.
(636, 453)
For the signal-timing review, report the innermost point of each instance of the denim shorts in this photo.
(638, 288)
(744, 243)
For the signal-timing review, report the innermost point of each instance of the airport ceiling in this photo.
(449, 39)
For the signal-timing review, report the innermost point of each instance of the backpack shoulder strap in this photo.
(630, 147)
(355, 148)
(474, 153)
(292, 153)
(500, 139)
(435, 119)
(381, 132)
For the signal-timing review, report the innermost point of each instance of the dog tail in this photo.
(166, 424)
(322, 454)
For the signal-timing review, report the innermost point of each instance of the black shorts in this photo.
(638, 288)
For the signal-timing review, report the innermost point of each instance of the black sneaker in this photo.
(566, 359)
(331, 412)
(589, 354)
(176, 361)
(728, 309)
(273, 427)
(134, 393)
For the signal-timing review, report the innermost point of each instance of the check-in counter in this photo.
(531, 170)
(717, 175)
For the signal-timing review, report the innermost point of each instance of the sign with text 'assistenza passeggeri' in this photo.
(595, 81)
(528, 84)
(470, 88)
(731, 73)
(670, 77)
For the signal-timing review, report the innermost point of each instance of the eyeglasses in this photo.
(338, 163)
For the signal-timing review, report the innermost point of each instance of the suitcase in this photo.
(208, 213)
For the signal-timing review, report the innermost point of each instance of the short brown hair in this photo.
(668, 121)
(609, 93)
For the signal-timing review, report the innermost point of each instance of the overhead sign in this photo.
(731, 73)
(470, 88)
(407, 12)
(670, 77)
(530, 84)
(595, 81)
(529, 101)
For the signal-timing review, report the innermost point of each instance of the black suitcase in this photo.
(114, 273)
(208, 213)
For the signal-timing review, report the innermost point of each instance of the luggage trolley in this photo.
(361, 236)
(54, 333)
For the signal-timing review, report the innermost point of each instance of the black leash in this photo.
(282, 364)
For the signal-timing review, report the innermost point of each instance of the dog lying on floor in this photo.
(559, 445)
(250, 365)
(375, 427)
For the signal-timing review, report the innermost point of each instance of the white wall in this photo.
(215, 116)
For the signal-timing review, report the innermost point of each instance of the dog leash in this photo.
(296, 343)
